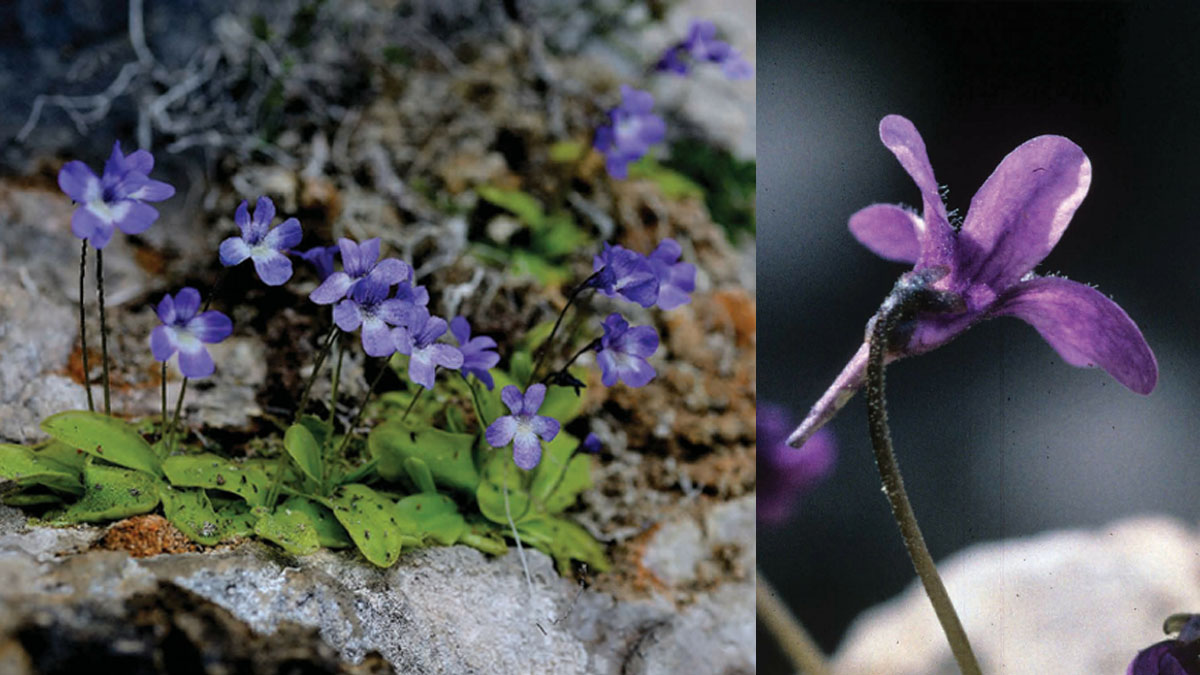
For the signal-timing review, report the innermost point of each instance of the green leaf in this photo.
(435, 516)
(448, 456)
(567, 151)
(370, 520)
(105, 437)
(577, 479)
(111, 493)
(418, 472)
(562, 403)
(485, 536)
(561, 237)
(519, 366)
(291, 529)
(498, 474)
(565, 541)
(193, 514)
(70, 459)
(26, 468)
(320, 429)
(305, 450)
(529, 264)
(534, 337)
(330, 532)
(248, 480)
(239, 517)
(673, 184)
(31, 499)
(549, 477)
(523, 205)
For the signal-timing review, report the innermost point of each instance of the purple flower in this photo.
(623, 350)
(1015, 219)
(320, 257)
(633, 129)
(786, 473)
(675, 279)
(418, 339)
(592, 444)
(116, 198)
(524, 426)
(1169, 657)
(702, 45)
(358, 263)
(186, 332)
(619, 271)
(478, 353)
(369, 306)
(262, 244)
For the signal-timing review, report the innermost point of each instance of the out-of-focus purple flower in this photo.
(321, 258)
(592, 444)
(479, 355)
(261, 243)
(1014, 221)
(418, 339)
(116, 199)
(675, 279)
(359, 261)
(1180, 656)
(702, 44)
(786, 473)
(619, 271)
(632, 129)
(623, 351)
(186, 332)
(369, 306)
(524, 426)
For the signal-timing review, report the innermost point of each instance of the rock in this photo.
(1077, 601)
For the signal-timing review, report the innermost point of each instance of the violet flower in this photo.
(524, 426)
(186, 332)
(1014, 221)
(702, 45)
(623, 351)
(479, 355)
(418, 339)
(619, 271)
(262, 243)
(358, 263)
(369, 307)
(786, 473)
(631, 131)
(115, 199)
(1179, 656)
(675, 279)
(592, 444)
(321, 258)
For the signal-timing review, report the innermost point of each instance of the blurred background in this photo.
(996, 435)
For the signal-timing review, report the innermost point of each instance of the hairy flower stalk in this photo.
(103, 328)
(87, 378)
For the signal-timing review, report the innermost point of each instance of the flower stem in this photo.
(412, 403)
(175, 418)
(337, 377)
(212, 294)
(162, 435)
(103, 327)
(545, 346)
(896, 308)
(324, 353)
(790, 635)
(475, 397)
(586, 348)
(362, 407)
(87, 375)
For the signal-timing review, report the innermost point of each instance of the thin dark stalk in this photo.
(103, 327)
(545, 346)
(475, 397)
(337, 377)
(362, 407)
(87, 374)
(162, 435)
(333, 333)
(175, 418)
(412, 403)
(892, 311)
(212, 294)
(586, 348)
(796, 643)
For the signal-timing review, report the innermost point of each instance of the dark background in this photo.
(996, 435)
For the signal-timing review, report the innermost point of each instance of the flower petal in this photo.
(1021, 211)
(162, 342)
(273, 267)
(368, 253)
(636, 371)
(607, 361)
(461, 330)
(527, 450)
(78, 181)
(241, 218)
(500, 432)
(351, 260)
(402, 338)
(391, 271)
(166, 309)
(264, 213)
(421, 368)
(638, 341)
(137, 218)
(445, 356)
(187, 302)
(534, 396)
(87, 225)
(377, 337)
(196, 363)
(1085, 328)
(141, 161)
(152, 191)
(838, 394)
(333, 288)
(889, 231)
(233, 251)
(901, 137)
(545, 427)
(211, 326)
(347, 316)
(512, 398)
(287, 235)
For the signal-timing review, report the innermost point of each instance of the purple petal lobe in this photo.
(187, 302)
(403, 340)
(332, 289)
(264, 213)
(233, 251)
(637, 372)
(836, 396)
(166, 309)
(210, 327)
(1085, 328)
(512, 398)
(273, 267)
(527, 450)
(500, 432)
(889, 231)
(534, 395)
(368, 253)
(241, 217)
(639, 341)
(86, 225)
(461, 330)
(287, 235)
(153, 191)
(78, 181)
(137, 218)
(351, 261)
(390, 271)
(421, 369)
(195, 363)
(162, 342)
(545, 427)
(1022, 210)
(346, 315)
(377, 338)
(901, 137)
(445, 356)
(140, 161)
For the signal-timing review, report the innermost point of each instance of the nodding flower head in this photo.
(185, 331)
(115, 199)
(359, 262)
(479, 353)
(617, 271)
(1015, 219)
(321, 258)
(259, 242)
(623, 351)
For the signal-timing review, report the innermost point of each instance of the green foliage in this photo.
(370, 520)
(727, 183)
(104, 437)
(110, 493)
(292, 529)
(248, 480)
(194, 515)
(305, 451)
(27, 467)
(448, 457)
(673, 184)
(552, 237)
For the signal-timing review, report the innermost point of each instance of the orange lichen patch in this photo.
(741, 309)
(74, 368)
(148, 535)
(150, 260)
(630, 571)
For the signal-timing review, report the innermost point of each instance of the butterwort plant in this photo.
(266, 246)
